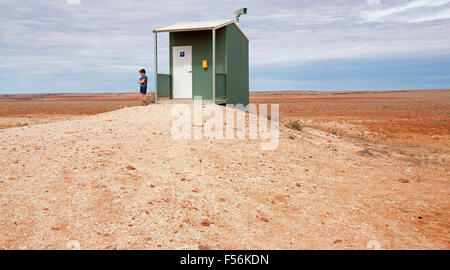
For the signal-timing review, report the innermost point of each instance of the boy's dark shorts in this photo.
(143, 90)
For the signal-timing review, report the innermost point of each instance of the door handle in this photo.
(189, 71)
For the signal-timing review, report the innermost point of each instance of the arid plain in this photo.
(353, 170)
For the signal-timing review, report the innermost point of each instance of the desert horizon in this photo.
(19, 94)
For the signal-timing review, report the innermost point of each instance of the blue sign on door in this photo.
(181, 54)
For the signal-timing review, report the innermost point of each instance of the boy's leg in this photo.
(144, 99)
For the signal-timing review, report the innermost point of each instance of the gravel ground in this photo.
(118, 180)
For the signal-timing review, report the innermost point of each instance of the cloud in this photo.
(113, 36)
(410, 12)
(439, 15)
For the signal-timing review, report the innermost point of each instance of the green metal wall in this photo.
(238, 67)
(221, 86)
(201, 42)
(232, 67)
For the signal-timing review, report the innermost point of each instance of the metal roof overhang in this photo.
(198, 26)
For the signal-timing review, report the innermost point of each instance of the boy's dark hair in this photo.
(142, 71)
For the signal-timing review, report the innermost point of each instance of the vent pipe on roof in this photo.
(238, 13)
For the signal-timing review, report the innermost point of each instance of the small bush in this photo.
(366, 151)
(296, 125)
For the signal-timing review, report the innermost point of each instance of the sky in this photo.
(49, 46)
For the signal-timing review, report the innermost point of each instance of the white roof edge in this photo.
(175, 28)
(195, 26)
(240, 29)
(224, 24)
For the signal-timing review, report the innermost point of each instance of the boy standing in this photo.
(143, 84)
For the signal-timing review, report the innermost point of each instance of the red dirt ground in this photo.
(405, 117)
(21, 110)
(359, 166)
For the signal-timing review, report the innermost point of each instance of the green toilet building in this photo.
(207, 59)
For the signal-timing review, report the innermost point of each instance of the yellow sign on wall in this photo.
(205, 64)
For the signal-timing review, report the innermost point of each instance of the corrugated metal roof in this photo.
(198, 26)
(193, 26)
